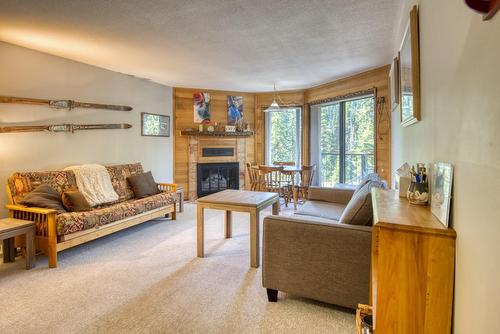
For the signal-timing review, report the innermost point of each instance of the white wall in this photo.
(28, 73)
(460, 81)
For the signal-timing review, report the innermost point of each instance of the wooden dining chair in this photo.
(306, 178)
(253, 176)
(272, 179)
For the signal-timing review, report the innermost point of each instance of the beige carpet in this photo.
(147, 279)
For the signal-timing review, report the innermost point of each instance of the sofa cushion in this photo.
(143, 185)
(119, 175)
(73, 200)
(43, 196)
(359, 210)
(72, 222)
(21, 183)
(321, 209)
(340, 194)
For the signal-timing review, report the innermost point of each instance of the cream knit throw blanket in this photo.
(94, 183)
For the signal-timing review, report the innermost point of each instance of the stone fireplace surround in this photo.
(196, 145)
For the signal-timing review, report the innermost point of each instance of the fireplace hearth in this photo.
(214, 177)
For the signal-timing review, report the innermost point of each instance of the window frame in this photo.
(268, 160)
(342, 142)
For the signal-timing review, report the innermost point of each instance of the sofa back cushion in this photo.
(359, 210)
(21, 183)
(119, 175)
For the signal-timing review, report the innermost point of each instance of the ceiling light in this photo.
(274, 105)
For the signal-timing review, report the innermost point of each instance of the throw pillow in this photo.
(43, 196)
(366, 179)
(143, 185)
(359, 210)
(74, 201)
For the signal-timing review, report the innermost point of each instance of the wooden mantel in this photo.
(216, 133)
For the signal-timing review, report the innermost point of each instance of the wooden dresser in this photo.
(412, 272)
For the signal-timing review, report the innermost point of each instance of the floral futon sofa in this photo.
(58, 231)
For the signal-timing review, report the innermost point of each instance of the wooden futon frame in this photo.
(46, 239)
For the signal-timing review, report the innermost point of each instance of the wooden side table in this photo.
(180, 193)
(10, 228)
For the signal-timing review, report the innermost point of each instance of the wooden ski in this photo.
(62, 127)
(62, 104)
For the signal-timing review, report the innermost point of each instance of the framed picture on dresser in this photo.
(441, 186)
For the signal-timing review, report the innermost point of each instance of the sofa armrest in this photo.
(338, 194)
(326, 262)
(167, 186)
(21, 208)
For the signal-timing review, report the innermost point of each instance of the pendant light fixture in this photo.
(274, 105)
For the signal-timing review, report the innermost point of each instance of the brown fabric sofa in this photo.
(316, 253)
(58, 231)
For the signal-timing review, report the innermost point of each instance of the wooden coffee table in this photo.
(252, 202)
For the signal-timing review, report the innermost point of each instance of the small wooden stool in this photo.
(10, 228)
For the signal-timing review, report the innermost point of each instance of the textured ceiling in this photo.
(243, 45)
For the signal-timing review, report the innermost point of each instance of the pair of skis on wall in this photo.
(62, 104)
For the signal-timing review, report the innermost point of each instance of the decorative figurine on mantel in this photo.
(220, 127)
(239, 125)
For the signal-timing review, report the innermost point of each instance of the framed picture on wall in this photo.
(234, 109)
(201, 107)
(155, 125)
(394, 83)
(409, 72)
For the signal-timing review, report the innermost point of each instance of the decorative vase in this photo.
(418, 193)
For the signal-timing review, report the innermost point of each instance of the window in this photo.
(283, 135)
(343, 140)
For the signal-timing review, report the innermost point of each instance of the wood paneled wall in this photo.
(184, 119)
(254, 104)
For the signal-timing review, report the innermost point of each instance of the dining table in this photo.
(290, 170)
